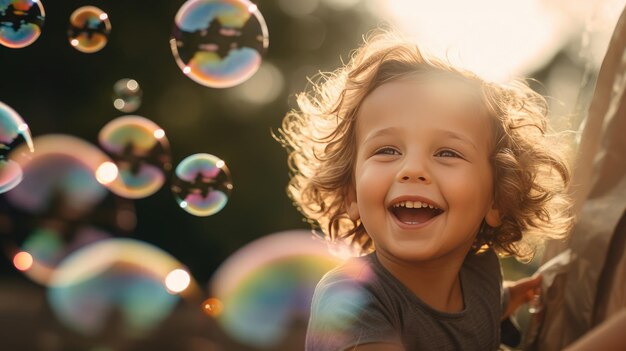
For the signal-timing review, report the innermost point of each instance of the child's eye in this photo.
(448, 153)
(386, 151)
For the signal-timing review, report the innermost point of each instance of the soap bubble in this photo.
(121, 276)
(14, 132)
(219, 43)
(21, 22)
(59, 205)
(202, 184)
(141, 152)
(127, 95)
(266, 287)
(89, 29)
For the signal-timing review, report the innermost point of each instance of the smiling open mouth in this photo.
(414, 212)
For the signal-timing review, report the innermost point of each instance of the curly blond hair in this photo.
(530, 169)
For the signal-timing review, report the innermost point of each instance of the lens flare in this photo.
(141, 152)
(122, 275)
(89, 29)
(21, 22)
(14, 132)
(264, 287)
(219, 43)
(202, 184)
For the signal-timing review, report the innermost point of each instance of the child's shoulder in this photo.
(352, 276)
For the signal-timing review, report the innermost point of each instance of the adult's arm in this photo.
(609, 335)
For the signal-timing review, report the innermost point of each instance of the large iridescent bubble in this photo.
(21, 22)
(89, 29)
(141, 152)
(116, 282)
(264, 288)
(219, 43)
(202, 184)
(13, 133)
(54, 203)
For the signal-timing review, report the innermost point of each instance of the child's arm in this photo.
(520, 292)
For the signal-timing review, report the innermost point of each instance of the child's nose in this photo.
(414, 171)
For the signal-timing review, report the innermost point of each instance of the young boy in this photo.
(430, 172)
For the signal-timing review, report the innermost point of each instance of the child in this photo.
(430, 172)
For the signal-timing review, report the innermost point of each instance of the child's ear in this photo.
(352, 209)
(493, 217)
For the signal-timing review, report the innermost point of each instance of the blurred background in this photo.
(164, 259)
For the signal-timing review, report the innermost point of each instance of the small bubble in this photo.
(202, 184)
(89, 29)
(21, 22)
(141, 152)
(127, 95)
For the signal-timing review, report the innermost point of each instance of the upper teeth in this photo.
(413, 204)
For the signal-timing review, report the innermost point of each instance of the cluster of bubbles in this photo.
(21, 23)
(60, 182)
(216, 43)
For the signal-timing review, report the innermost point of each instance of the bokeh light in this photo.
(127, 95)
(114, 281)
(219, 43)
(13, 133)
(202, 184)
(106, 173)
(177, 280)
(23, 260)
(89, 29)
(21, 22)
(262, 88)
(141, 152)
(264, 287)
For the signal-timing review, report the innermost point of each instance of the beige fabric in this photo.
(599, 189)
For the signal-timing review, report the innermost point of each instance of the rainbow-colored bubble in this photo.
(13, 133)
(125, 276)
(265, 287)
(202, 184)
(89, 29)
(21, 22)
(127, 95)
(141, 152)
(59, 194)
(61, 172)
(219, 43)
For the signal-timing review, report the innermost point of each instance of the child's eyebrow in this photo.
(381, 132)
(460, 137)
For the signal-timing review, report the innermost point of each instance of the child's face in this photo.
(422, 143)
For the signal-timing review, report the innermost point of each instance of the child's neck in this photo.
(436, 283)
